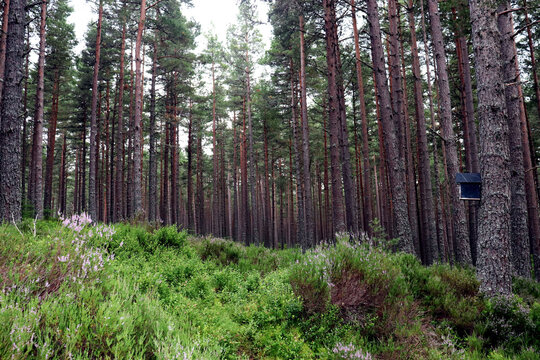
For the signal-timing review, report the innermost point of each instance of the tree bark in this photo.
(493, 267)
(3, 42)
(10, 140)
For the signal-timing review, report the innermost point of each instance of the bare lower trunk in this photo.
(493, 267)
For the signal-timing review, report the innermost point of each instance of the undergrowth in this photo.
(74, 290)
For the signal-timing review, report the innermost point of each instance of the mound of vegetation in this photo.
(73, 290)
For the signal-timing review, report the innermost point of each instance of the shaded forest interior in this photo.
(355, 120)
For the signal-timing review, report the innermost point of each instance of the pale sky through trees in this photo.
(212, 15)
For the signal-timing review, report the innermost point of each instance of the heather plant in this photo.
(75, 289)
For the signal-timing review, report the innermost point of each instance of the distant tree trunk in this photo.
(152, 163)
(335, 76)
(461, 235)
(10, 140)
(189, 150)
(92, 196)
(519, 229)
(200, 191)
(36, 167)
(235, 213)
(338, 214)
(366, 166)
(251, 152)
(51, 143)
(408, 154)
(329, 234)
(391, 141)
(469, 128)
(424, 179)
(245, 214)
(493, 267)
(439, 219)
(174, 168)
(24, 145)
(215, 165)
(310, 221)
(62, 179)
(530, 188)
(298, 150)
(268, 216)
(118, 206)
(533, 57)
(137, 123)
(3, 42)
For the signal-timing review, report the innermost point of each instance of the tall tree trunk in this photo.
(300, 196)
(469, 127)
(201, 228)
(118, 206)
(310, 221)
(408, 154)
(494, 267)
(519, 229)
(137, 123)
(329, 233)
(215, 165)
(335, 75)
(245, 214)
(533, 57)
(251, 152)
(189, 150)
(235, 213)
(24, 146)
(439, 219)
(62, 179)
(92, 196)
(391, 141)
(36, 167)
(152, 163)
(338, 214)
(10, 140)
(51, 143)
(366, 166)
(424, 179)
(461, 235)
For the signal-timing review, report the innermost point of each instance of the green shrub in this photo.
(509, 322)
(169, 236)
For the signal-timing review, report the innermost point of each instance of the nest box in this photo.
(470, 186)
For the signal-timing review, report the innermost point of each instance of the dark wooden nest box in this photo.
(470, 186)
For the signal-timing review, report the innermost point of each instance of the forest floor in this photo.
(75, 291)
